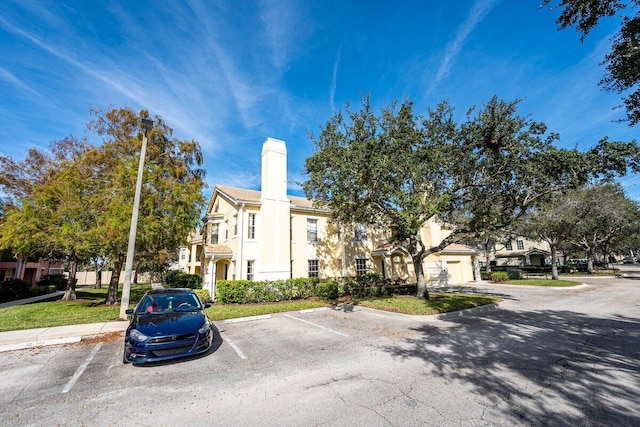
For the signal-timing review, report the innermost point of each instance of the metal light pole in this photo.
(146, 125)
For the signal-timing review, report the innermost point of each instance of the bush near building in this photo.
(365, 285)
(178, 279)
(16, 289)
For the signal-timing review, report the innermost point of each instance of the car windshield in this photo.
(163, 303)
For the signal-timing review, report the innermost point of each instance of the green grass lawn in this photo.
(90, 308)
(437, 303)
(543, 282)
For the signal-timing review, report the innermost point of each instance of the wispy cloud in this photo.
(10, 78)
(478, 12)
(334, 80)
(64, 56)
(277, 18)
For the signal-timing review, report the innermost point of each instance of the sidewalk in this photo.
(16, 340)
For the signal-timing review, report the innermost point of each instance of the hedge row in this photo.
(178, 279)
(246, 291)
(16, 289)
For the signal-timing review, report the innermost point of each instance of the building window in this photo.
(313, 268)
(520, 244)
(251, 232)
(508, 246)
(250, 272)
(312, 230)
(361, 266)
(360, 233)
(233, 270)
(235, 225)
(226, 230)
(184, 255)
(215, 233)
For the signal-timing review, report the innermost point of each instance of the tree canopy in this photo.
(623, 61)
(74, 202)
(398, 169)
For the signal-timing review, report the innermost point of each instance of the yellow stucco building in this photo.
(269, 235)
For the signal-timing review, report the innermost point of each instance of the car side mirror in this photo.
(207, 305)
(129, 311)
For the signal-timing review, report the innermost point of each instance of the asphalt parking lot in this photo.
(543, 357)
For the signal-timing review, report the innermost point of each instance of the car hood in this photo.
(171, 323)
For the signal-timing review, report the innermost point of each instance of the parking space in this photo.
(270, 342)
(360, 367)
(305, 347)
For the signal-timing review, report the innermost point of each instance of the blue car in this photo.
(167, 324)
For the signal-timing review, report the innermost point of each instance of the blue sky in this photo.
(232, 73)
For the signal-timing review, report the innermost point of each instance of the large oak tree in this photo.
(398, 169)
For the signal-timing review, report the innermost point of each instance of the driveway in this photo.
(552, 357)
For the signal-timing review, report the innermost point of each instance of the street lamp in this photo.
(146, 125)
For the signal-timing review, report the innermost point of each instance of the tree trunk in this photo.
(554, 262)
(70, 292)
(422, 291)
(112, 293)
(487, 257)
(98, 284)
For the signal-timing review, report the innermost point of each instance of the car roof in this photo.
(169, 291)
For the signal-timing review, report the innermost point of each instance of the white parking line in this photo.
(316, 325)
(233, 345)
(81, 369)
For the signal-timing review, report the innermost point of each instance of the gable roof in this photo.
(243, 195)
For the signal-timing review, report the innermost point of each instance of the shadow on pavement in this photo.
(544, 368)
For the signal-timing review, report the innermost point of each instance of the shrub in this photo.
(500, 276)
(232, 291)
(203, 294)
(18, 289)
(57, 280)
(298, 288)
(329, 290)
(514, 274)
(178, 279)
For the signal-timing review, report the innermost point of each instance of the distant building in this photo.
(26, 270)
(270, 235)
(189, 256)
(519, 251)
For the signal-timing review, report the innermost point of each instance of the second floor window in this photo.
(215, 234)
(312, 230)
(520, 245)
(508, 246)
(313, 268)
(361, 233)
(235, 225)
(226, 230)
(251, 232)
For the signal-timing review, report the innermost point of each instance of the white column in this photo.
(212, 284)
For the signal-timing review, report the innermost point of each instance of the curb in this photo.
(41, 343)
(23, 339)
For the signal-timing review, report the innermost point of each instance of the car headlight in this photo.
(137, 335)
(203, 329)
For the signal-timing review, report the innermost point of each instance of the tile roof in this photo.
(254, 196)
(240, 194)
(218, 249)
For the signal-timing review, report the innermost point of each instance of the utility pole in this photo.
(146, 125)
